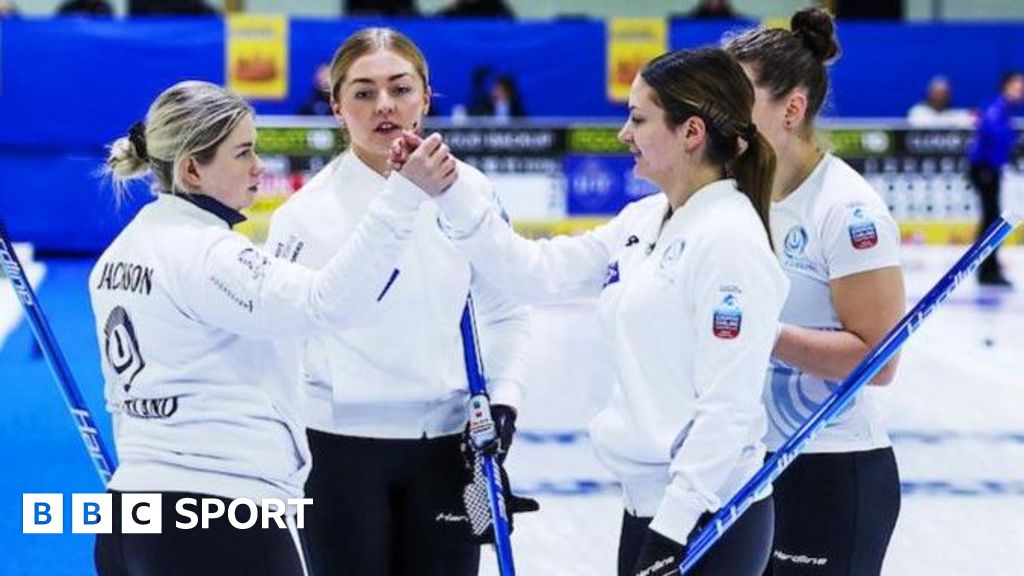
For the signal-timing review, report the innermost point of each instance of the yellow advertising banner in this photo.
(632, 42)
(257, 55)
(775, 22)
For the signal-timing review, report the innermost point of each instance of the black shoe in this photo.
(996, 280)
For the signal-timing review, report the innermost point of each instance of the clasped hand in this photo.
(426, 162)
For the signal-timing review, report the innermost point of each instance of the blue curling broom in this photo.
(101, 456)
(482, 431)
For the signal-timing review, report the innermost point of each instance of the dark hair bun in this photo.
(816, 29)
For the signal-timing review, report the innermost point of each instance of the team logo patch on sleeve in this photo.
(611, 275)
(863, 234)
(728, 318)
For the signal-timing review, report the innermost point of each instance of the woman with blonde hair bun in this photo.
(198, 330)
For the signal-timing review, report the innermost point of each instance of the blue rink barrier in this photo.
(46, 60)
(70, 86)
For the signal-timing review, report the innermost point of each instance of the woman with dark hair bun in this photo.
(836, 506)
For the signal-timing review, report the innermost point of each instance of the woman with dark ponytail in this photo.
(689, 294)
(836, 506)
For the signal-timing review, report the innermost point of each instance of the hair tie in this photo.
(137, 136)
(750, 132)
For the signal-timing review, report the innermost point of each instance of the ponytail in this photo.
(126, 161)
(754, 171)
(188, 120)
(710, 84)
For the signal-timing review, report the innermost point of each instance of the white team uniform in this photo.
(403, 376)
(198, 336)
(691, 309)
(833, 225)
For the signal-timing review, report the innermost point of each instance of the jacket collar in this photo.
(706, 196)
(357, 171)
(208, 203)
(701, 200)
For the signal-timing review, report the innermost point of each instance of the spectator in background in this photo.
(381, 8)
(934, 111)
(170, 7)
(319, 101)
(479, 96)
(85, 8)
(714, 10)
(7, 9)
(505, 102)
(500, 101)
(477, 9)
(989, 152)
(505, 99)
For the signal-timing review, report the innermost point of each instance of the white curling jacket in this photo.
(404, 375)
(198, 333)
(690, 305)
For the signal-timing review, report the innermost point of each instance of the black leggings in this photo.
(214, 551)
(742, 551)
(388, 508)
(834, 514)
(987, 183)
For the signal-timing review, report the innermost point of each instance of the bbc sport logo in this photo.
(143, 513)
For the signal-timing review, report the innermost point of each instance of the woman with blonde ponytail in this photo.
(198, 331)
(689, 294)
(836, 506)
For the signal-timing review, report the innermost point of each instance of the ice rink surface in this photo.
(956, 414)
